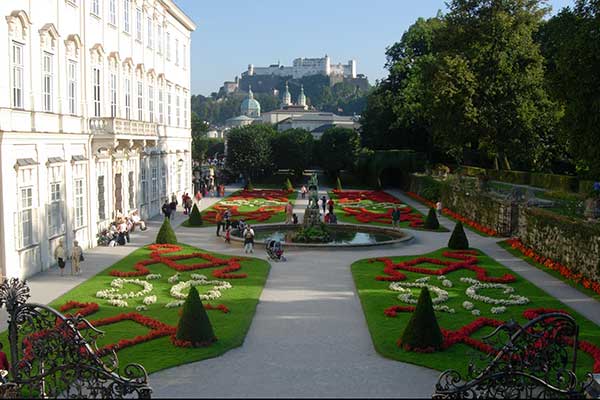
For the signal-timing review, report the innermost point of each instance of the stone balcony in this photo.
(122, 127)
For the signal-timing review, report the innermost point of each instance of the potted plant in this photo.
(592, 203)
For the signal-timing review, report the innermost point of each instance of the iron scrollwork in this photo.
(56, 356)
(537, 360)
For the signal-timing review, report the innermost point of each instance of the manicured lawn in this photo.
(230, 328)
(506, 246)
(257, 206)
(376, 296)
(376, 207)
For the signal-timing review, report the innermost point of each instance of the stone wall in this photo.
(575, 244)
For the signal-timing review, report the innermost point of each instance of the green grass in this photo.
(276, 218)
(342, 217)
(158, 354)
(376, 296)
(588, 292)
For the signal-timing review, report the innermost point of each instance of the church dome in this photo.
(250, 106)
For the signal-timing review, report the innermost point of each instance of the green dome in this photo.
(250, 106)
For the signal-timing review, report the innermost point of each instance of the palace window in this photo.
(113, 95)
(154, 172)
(26, 216)
(79, 208)
(177, 110)
(163, 176)
(169, 106)
(150, 32)
(169, 46)
(138, 24)
(101, 199)
(17, 75)
(159, 38)
(160, 105)
(112, 11)
(144, 182)
(96, 7)
(140, 101)
(176, 51)
(128, 97)
(131, 191)
(126, 10)
(72, 87)
(96, 85)
(185, 111)
(151, 103)
(47, 80)
(55, 207)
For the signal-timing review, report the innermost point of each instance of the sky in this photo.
(231, 34)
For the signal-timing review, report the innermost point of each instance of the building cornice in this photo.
(178, 14)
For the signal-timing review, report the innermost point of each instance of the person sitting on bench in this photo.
(135, 218)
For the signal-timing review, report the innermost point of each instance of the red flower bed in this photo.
(261, 214)
(555, 266)
(156, 257)
(363, 215)
(463, 335)
(446, 211)
(468, 260)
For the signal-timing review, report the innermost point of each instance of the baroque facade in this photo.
(94, 120)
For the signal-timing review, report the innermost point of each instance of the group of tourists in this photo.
(327, 206)
(223, 220)
(61, 255)
(117, 233)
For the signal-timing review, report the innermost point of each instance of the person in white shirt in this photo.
(438, 208)
(248, 239)
(138, 221)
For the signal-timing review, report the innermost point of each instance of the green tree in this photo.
(293, 149)
(338, 149)
(165, 234)
(194, 325)
(249, 150)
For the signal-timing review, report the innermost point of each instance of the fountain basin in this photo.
(343, 236)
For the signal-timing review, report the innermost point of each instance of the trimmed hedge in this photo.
(555, 182)
(288, 185)
(195, 217)
(458, 239)
(585, 187)
(338, 184)
(422, 331)
(432, 221)
(166, 235)
(194, 325)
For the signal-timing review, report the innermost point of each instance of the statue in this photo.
(312, 215)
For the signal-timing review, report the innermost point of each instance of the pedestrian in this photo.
(222, 190)
(76, 258)
(219, 221)
(227, 218)
(332, 219)
(199, 197)
(289, 210)
(294, 219)
(248, 239)
(124, 230)
(183, 201)
(323, 203)
(60, 256)
(4, 365)
(166, 209)
(303, 192)
(189, 203)
(326, 218)
(173, 204)
(396, 217)
(330, 205)
(438, 208)
(228, 235)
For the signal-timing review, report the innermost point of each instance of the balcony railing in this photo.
(118, 126)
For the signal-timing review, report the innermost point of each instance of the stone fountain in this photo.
(312, 215)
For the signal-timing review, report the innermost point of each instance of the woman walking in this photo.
(76, 258)
(60, 256)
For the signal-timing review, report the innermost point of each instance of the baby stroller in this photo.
(275, 250)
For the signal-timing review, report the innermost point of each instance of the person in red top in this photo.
(330, 206)
(3, 360)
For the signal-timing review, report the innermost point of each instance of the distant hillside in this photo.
(345, 97)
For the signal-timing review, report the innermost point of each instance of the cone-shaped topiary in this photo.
(458, 240)
(194, 325)
(422, 333)
(432, 222)
(338, 184)
(288, 185)
(166, 235)
(195, 217)
(249, 185)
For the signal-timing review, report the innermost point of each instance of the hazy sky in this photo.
(234, 33)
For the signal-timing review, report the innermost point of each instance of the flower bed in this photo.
(446, 211)
(252, 205)
(373, 206)
(490, 285)
(565, 272)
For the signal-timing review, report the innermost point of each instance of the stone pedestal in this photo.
(312, 217)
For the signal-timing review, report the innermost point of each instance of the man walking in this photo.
(324, 203)
(219, 220)
(396, 217)
(166, 209)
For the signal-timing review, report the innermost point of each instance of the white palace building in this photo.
(94, 120)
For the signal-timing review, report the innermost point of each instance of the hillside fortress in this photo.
(305, 67)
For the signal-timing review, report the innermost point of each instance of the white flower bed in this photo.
(467, 305)
(447, 283)
(476, 285)
(212, 294)
(117, 284)
(407, 296)
(476, 313)
(174, 304)
(444, 308)
(118, 303)
(149, 300)
(174, 278)
(141, 308)
(498, 310)
(441, 277)
(422, 280)
(153, 277)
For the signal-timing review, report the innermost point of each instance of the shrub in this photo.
(194, 325)
(422, 331)
(313, 234)
(249, 185)
(458, 240)
(195, 217)
(166, 235)
(288, 185)
(338, 184)
(432, 222)
(563, 183)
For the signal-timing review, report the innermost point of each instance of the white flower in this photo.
(467, 305)
(476, 313)
(422, 280)
(476, 285)
(498, 310)
(198, 277)
(152, 277)
(118, 303)
(407, 296)
(141, 308)
(149, 300)
(174, 304)
(118, 299)
(444, 308)
(447, 283)
(174, 278)
(441, 277)
(212, 294)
